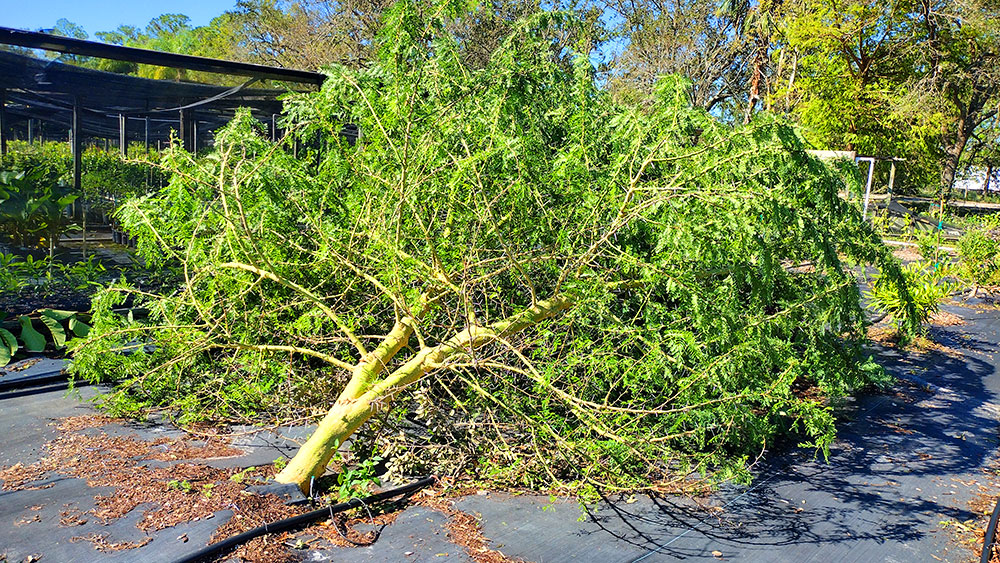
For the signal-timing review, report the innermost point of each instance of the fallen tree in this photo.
(601, 292)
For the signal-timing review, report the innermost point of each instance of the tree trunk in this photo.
(953, 156)
(363, 396)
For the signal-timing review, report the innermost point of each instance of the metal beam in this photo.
(36, 40)
(77, 156)
(3, 121)
(892, 178)
(183, 130)
(868, 184)
(122, 141)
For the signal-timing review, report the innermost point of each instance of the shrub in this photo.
(928, 288)
(979, 253)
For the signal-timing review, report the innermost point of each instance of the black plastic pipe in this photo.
(40, 381)
(296, 521)
(989, 540)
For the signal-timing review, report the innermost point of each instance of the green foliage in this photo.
(55, 323)
(703, 265)
(929, 245)
(928, 288)
(358, 481)
(104, 173)
(31, 207)
(46, 276)
(979, 253)
(181, 485)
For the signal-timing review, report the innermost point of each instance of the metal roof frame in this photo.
(38, 40)
(94, 103)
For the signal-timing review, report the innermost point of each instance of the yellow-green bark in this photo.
(364, 393)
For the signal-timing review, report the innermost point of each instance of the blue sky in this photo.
(104, 15)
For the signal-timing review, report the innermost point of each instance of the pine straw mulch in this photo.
(186, 492)
(182, 492)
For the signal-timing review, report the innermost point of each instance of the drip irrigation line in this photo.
(296, 521)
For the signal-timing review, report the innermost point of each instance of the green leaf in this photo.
(57, 314)
(8, 346)
(33, 340)
(8, 341)
(79, 327)
(57, 330)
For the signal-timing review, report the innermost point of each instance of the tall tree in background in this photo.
(758, 22)
(685, 37)
(311, 34)
(957, 43)
(846, 82)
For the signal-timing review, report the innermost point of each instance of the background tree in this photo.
(846, 83)
(957, 44)
(758, 21)
(682, 37)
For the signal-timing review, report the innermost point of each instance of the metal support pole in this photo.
(183, 130)
(77, 156)
(194, 135)
(892, 178)
(868, 187)
(31, 131)
(122, 142)
(146, 136)
(3, 121)
(274, 128)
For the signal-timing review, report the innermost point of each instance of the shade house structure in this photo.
(45, 99)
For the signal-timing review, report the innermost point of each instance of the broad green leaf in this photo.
(79, 327)
(57, 330)
(8, 341)
(57, 314)
(33, 340)
(8, 346)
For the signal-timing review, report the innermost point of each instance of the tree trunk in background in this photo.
(953, 156)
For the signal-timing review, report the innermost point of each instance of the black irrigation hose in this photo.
(295, 521)
(39, 381)
(989, 540)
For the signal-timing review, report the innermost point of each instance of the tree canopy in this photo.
(568, 289)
